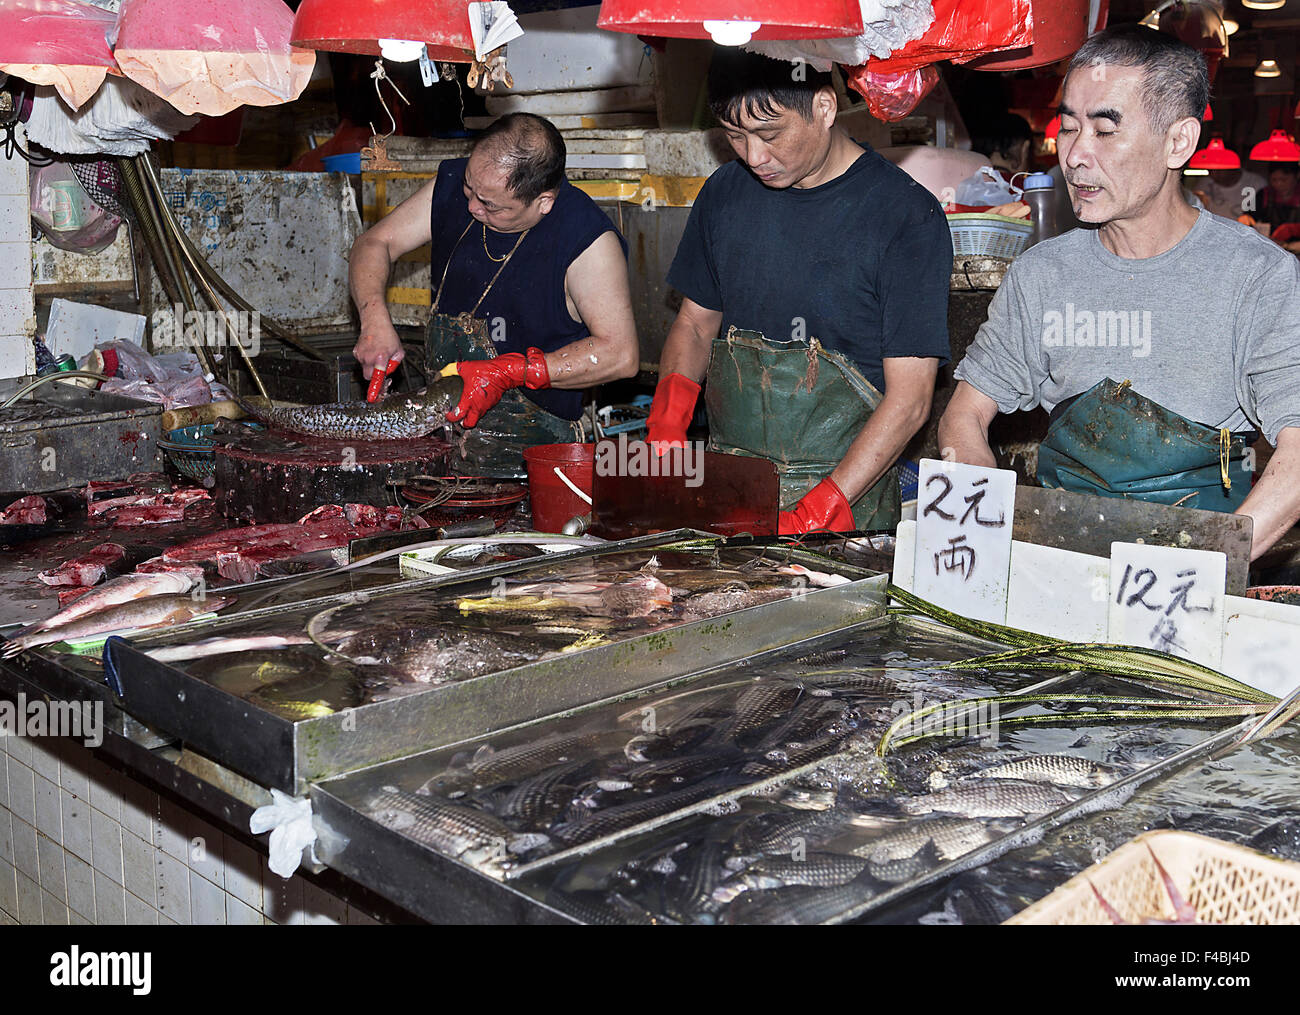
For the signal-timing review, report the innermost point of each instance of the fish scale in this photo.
(905, 868)
(757, 705)
(1058, 769)
(677, 769)
(537, 800)
(952, 837)
(690, 890)
(769, 833)
(819, 870)
(797, 904)
(511, 763)
(449, 828)
(614, 819)
(991, 798)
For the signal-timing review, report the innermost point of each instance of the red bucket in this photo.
(553, 502)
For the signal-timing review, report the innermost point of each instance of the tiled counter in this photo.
(82, 842)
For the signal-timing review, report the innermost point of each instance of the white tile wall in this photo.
(81, 843)
(17, 319)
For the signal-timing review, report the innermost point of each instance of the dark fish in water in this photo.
(785, 833)
(675, 771)
(858, 682)
(952, 837)
(819, 870)
(1058, 769)
(397, 417)
(759, 705)
(710, 604)
(601, 909)
(896, 872)
(796, 904)
(688, 891)
(823, 658)
(537, 801)
(138, 614)
(460, 832)
(990, 799)
(781, 759)
(435, 653)
(599, 824)
(491, 767)
(1282, 838)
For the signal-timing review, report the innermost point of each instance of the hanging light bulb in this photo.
(400, 50)
(731, 33)
(1263, 5)
(733, 22)
(1268, 69)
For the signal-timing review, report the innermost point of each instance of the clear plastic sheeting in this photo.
(60, 43)
(205, 56)
(122, 119)
(888, 25)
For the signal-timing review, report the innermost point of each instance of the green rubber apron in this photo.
(800, 406)
(495, 447)
(1112, 442)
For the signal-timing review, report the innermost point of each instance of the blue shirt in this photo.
(526, 307)
(861, 263)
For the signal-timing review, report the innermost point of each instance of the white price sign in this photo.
(1167, 598)
(963, 538)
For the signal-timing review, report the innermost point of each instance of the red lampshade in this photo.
(348, 26)
(775, 19)
(1215, 155)
(1280, 147)
(1053, 127)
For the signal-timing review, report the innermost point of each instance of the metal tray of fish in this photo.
(748, 793)
(341, 682)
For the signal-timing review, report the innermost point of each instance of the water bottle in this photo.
(1040, 195)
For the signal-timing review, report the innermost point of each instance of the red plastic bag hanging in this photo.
(963, 30)
(893, 96)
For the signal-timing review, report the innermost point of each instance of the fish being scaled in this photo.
(1058, 769)
(1000, 798)
(397, 417)
(152, 611)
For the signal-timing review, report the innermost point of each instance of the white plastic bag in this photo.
(65, 213)
(887, 25)
(986, 188)
(120, 119)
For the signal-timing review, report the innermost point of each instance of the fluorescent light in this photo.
(1268, 69)
(400, 50)
(732, 33)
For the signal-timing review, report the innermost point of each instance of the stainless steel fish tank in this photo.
(331, 726)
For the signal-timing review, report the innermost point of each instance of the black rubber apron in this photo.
(800, 406)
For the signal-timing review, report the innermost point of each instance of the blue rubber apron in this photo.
(800, 406)
(495, 447)
(1112, 442)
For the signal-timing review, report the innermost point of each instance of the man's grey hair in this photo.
(1175, 82)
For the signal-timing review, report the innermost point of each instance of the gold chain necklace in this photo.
(495, 260)
(466, 319)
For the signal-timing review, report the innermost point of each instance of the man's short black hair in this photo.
(531, 148)
(1000, 133)
(1175, 83)
(1290, 168)
(747, 84)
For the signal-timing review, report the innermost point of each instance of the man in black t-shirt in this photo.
(815, 283)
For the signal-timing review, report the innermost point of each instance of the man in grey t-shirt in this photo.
(1158, 336)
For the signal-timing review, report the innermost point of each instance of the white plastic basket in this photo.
(980, 234)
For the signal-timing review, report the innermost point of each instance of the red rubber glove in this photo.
(486, 380)
(824, 508)
(671, 412)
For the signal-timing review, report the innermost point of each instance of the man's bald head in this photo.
(529, 149)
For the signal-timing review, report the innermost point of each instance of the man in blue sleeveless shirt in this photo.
(815, 283)
(530, 289)
(1157, 336)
